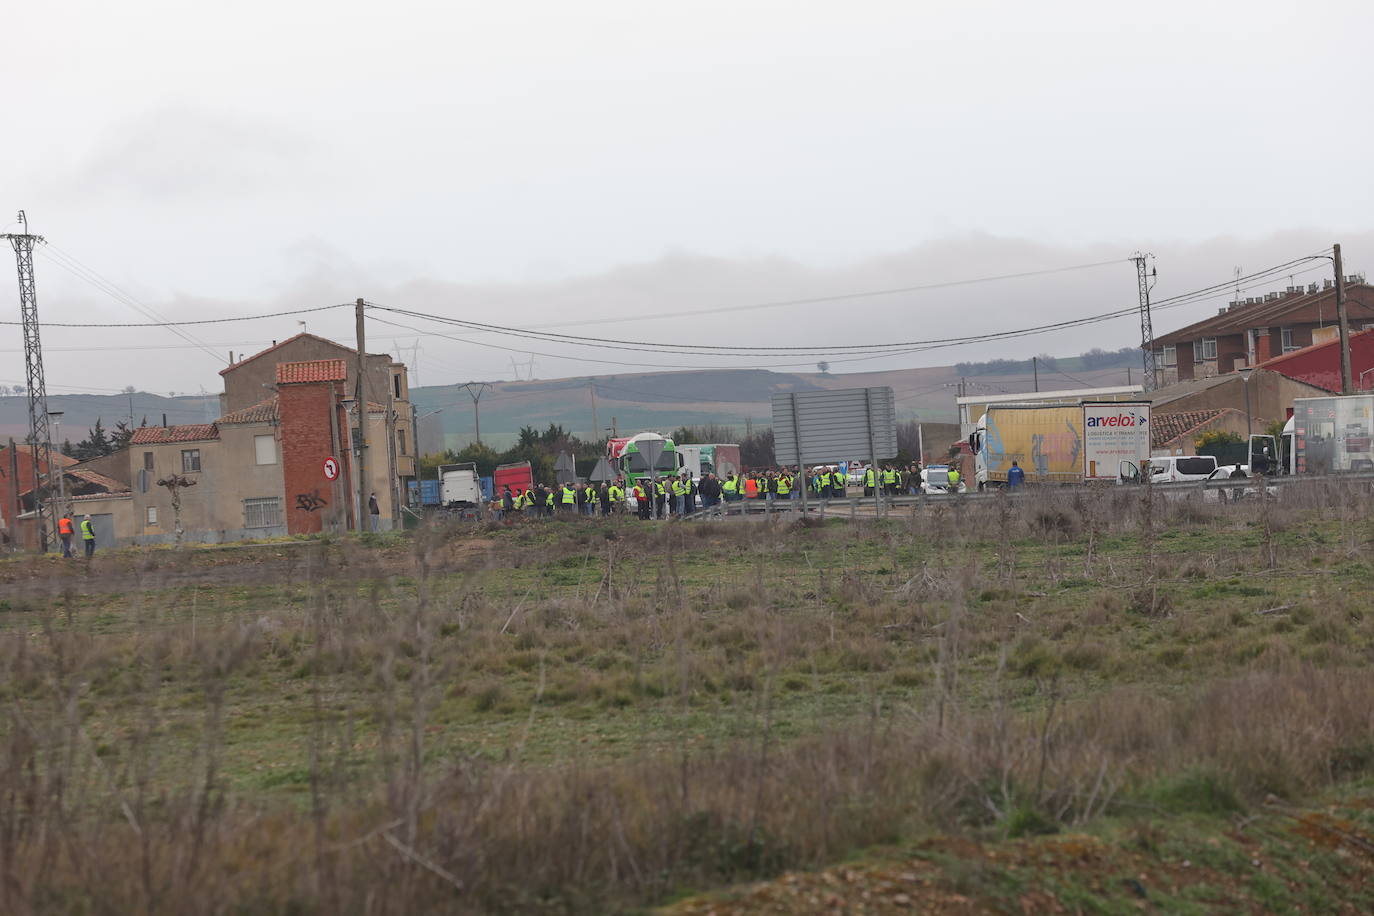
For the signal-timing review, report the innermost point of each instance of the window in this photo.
(1206, 348)
(397, 380)
(265, 447)
(263, 512)
(190, 460)
(1286, 335)
(1168, 356)
(401, 441)
(147, 461)
(152, 515)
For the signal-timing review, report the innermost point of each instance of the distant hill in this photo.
(79, 411)
(633, 402)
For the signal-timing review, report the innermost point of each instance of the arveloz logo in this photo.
(1121, 419)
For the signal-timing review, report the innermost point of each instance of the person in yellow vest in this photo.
(784, 486)
(616, 492)
(88, 535)
(953, 479)
(889, 480)
(870, 479)
(729, 488)
(642, 504)
(567, 497)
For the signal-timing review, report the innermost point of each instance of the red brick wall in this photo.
(306, 440)
(1262, 345)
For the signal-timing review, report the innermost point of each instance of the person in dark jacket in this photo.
(1015, 476)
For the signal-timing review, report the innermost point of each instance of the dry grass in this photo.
(590, 716)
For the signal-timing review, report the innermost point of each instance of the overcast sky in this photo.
(548, 162)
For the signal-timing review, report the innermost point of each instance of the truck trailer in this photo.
(721, 460)
(1062, 443)
(459, 485)
(1331, 435)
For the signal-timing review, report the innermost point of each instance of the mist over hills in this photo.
(591, 406)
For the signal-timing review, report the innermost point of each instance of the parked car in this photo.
(1237, 472)
(1176, 468)
(935, 479)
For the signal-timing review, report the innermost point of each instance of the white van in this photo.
(1174, 468)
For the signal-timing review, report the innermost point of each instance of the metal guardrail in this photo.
(869, 505)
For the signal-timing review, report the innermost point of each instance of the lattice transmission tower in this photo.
(1145, 277)
(40, 429)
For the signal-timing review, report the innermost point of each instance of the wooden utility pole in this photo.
(1346, 382)
(361, 401)
(1035, 368)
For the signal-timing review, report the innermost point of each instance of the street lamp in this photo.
(1245, 382)
(56, 416)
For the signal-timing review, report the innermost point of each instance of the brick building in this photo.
(1252, 331)
(389, 427)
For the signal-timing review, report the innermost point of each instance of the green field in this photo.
(607, 715)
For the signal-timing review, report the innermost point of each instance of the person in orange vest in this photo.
(751, 487)
(65, 530)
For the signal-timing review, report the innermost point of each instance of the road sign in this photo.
(331, 468)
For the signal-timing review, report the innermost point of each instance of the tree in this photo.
(67, 448)
(756, 449)
(823, 366)
(123, 434)
(95, 445)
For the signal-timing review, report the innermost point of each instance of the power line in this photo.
(174, 324)
(888, 348)
(74, 266)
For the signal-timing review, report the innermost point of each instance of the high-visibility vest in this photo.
(751, 488)
(64, 525)
(731, 485)
(569, 496)
(953, 478)
(679, 488)
(661, 490)
(889, 476)
(784, 485)
(548, 499)
(868, 477)
(87, 530)
(617, 494)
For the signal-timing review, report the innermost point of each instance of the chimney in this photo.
(1219, 312)
(164, 421)
(1327, 284)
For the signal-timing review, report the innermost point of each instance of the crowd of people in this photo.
(680, 495)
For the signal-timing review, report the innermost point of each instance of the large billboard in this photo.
(827, 427)
(1113, 433)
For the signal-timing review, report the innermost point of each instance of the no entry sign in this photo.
(331, 468)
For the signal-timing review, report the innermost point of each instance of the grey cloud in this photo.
(179, 152)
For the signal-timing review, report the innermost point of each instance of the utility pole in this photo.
(1035, 369)
(596, 427)
(360, 400)
(1145, 277)
(40, 434)
(1346, 384)
(474, 390)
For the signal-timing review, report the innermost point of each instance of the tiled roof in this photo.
(264, 412)
(1266, 314)
(1170, 427)
(278, 346)
(58, 457)
(93, 478)
(191, 432)
(315, 370)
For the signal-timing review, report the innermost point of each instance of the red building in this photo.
(1320, 364)
(1252, 331)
